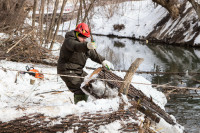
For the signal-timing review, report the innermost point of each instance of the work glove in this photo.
(107, 64)
(91, 45)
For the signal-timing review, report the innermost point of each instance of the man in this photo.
(73, 55)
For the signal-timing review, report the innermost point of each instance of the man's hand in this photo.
(91, 45)
(107, 64)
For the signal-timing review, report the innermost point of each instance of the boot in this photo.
(80, 97)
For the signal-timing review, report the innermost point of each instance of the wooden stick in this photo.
(19, 41)
(129, 75)
(49, 92)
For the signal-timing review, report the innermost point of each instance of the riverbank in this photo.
(142, 20)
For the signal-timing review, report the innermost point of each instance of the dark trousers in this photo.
(74, 83)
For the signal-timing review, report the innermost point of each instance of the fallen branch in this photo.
(19, 41)
(174, 87)
(53, 92)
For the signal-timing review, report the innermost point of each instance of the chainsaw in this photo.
(34, 72)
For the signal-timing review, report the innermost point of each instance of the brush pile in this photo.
(23, 47)
(144, 103)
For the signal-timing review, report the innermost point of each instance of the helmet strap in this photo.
(77, 34)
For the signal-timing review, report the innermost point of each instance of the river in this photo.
(184, 106)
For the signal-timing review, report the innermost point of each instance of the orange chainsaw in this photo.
(34, 72)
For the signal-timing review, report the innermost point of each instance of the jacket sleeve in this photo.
(73, 45)
(95, 56)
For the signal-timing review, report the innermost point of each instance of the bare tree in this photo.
(47, 17)
(51, 27)
(79, 12)
(73, 12)
(34, 10)
(58, 23)
(12, 14)
(41, 20)
(87, 11)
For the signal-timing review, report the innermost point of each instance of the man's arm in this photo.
(74, 45)
(96, 57)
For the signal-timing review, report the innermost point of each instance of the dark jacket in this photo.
(73, 55)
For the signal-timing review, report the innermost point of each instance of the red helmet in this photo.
(83, 29)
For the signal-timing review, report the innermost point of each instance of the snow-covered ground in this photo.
(18, 97)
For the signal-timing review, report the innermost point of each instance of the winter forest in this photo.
(100, 66)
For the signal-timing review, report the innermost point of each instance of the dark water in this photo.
(186, 109)
(162, 58)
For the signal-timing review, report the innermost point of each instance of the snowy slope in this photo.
(143, 20)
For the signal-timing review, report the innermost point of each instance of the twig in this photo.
(19, 41)
(48, 92)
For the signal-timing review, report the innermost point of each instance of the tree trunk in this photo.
(34, 10)
(196, 6)
(58, 23)
(72, 14)
(47, 17)
(41, 19)
(170, 5)
(84, 4)
(52, 21)
(79, 12)
(87, 11)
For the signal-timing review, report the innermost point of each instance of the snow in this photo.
(166, 127)
(22, 98)
(128, 13)
(197, 1)
(111, 128)
(3, 35)
(139, 19)
(68, 8)
(197, 40)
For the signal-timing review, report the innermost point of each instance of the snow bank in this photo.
(51, 97)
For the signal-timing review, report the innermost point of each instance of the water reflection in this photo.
(119, 44)
(122, 52)
(157, 58)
